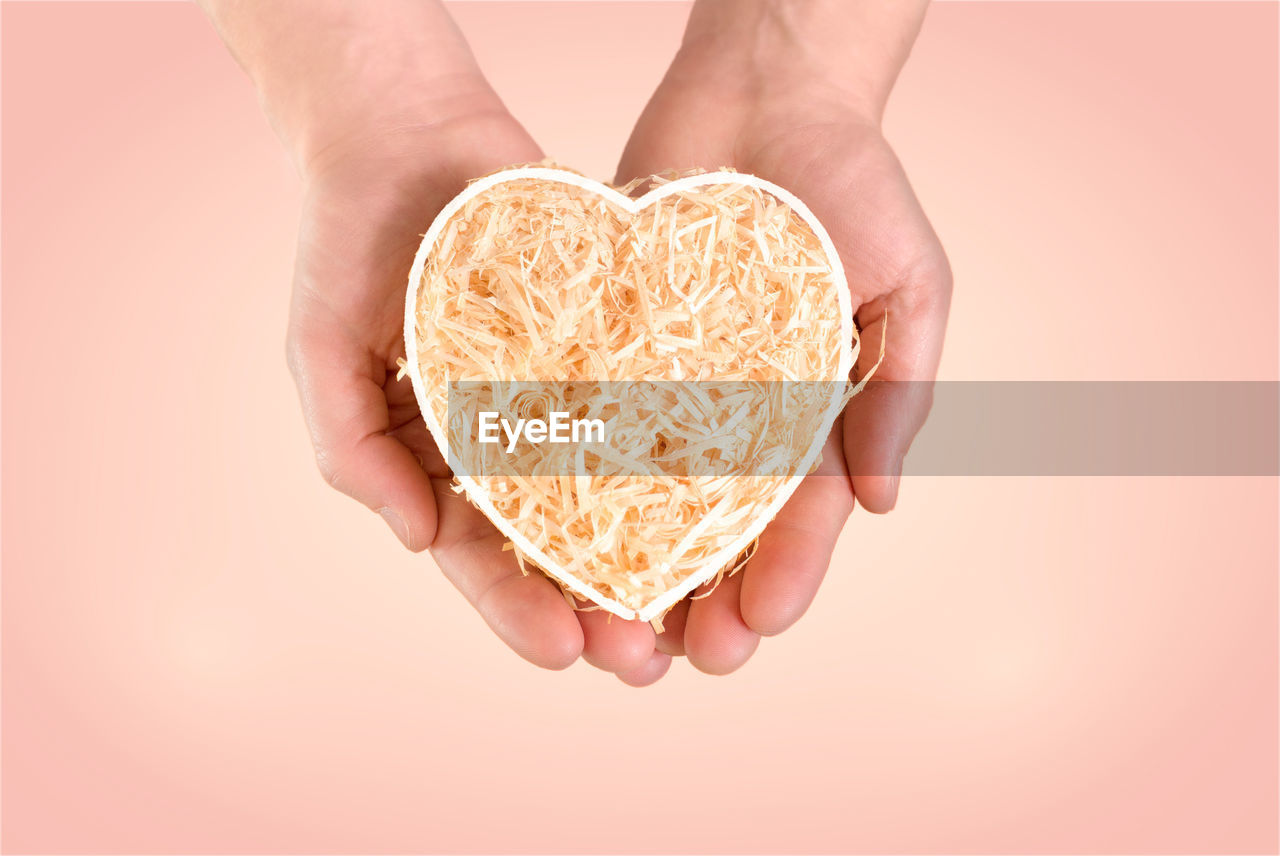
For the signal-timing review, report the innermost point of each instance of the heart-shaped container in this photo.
(639, 590)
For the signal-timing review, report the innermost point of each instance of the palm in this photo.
(363, 219)
(848, 175)
(355, 242)
(842, 168)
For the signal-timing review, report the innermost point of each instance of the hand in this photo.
(365, 208)
(364, 212)
(772, 109)
(366, 205)
(387, 116)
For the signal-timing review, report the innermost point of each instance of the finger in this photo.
(881, 421)
(783, 576)
(527, 611)
(671, 639)
(717, 640)
(613, 644)
(648, 673)
(340, 386)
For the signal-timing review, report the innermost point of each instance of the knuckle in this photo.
(930, 271)
(328, 468)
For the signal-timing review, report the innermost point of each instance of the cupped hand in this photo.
(823, 143)
(367, 202)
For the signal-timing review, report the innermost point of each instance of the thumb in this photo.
(346, 412)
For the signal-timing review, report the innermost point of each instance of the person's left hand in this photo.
(827, 150)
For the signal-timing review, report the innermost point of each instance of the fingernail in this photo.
(397, 524)
(895, 480)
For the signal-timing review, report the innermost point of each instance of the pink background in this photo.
(206, 650)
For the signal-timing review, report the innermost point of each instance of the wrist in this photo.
(333, 74)
(422, 115)
(843, 54)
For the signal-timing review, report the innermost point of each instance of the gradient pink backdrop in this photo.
(206, 650)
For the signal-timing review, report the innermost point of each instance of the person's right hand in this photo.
(368, 200)
(387, 116)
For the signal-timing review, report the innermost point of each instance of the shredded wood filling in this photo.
(544, 281)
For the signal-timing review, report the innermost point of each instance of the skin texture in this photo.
(771, 88)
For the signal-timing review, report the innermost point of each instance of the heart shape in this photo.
(544, 273)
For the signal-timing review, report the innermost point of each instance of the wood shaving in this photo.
(539, 280)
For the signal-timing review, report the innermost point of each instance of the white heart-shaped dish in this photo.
(652, 603)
